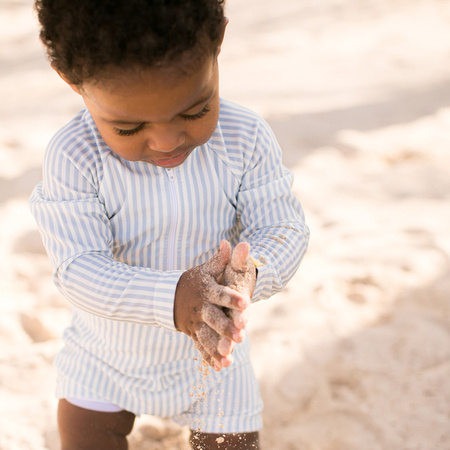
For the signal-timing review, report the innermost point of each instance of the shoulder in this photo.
(230, 111)
(237, 119)
(76, 144)
(238, 123)
(75, 133)
(242, 136)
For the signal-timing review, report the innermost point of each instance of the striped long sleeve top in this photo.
(120, 233)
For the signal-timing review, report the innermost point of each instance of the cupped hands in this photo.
(212, 302)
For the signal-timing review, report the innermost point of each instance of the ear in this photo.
(75, 87)
(224, 26)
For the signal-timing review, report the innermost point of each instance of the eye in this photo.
(197, 116)
(121, 132)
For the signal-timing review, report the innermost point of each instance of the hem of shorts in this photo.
(94, 405)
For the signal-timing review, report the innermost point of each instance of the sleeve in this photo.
(77, 236)
(271, 216)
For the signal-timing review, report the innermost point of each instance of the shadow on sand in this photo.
(301, 134)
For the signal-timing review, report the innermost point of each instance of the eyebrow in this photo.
(204, 99)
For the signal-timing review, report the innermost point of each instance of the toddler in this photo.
(165, 211)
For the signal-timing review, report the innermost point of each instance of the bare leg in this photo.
(211, 441)
(83, 429)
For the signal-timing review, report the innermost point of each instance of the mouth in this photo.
(171, 162)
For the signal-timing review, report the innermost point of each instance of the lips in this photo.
(171, 162)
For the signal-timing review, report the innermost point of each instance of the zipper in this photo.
(174, 222)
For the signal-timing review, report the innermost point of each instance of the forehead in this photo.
(151, 94)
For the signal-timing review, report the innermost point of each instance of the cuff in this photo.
(263, 286)
(164, 298)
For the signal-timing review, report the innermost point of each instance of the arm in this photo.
(273, 223)
(271, 216)
(77, 235)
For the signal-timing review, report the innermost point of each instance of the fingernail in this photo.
(242, 319)
(243, 302)
(238, 336)
(241, 322)
(224, 346)
(226, 361)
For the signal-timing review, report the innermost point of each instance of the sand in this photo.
(355, 353)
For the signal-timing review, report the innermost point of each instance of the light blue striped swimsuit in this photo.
(119, 235)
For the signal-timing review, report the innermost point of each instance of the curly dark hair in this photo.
(86, 38)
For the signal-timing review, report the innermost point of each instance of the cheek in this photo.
(206, 132)
(209, 125)
(127, 148)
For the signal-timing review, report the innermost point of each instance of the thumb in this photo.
(239, 258)
(240, 274)
(217, 263)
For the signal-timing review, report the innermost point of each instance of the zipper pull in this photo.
(170, 174)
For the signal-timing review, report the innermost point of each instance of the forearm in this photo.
(272, 218)
(280, 249)
(102, 286)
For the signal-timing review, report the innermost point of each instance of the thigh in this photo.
(81, 428)
(212, 441)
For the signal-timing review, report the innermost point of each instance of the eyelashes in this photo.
(187, 117)
(197, 116)
(129, 132)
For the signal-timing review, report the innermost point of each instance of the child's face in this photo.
(156, 115)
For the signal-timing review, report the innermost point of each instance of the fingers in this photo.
(205, 356)
(226, 346)
(211, 303)
(229, 297)
(209, 343)
(239, 318)
(218, 335)
(240, 274)
(198, 285)
(240, 256)
(222, 323)
(217, 263)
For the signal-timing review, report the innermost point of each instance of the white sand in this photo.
(355, 354)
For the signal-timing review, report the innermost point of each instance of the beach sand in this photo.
(355, 353)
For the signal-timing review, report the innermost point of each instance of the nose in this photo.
(165, 138)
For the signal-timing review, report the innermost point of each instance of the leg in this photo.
(211, 441)
(83, 429)
(228, 416)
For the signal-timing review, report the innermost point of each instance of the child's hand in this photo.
(240, 274)
(202, 304)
